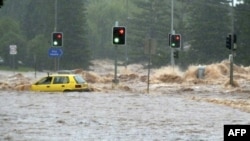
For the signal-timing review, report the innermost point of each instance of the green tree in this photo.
(15, 9)
(242, 22)
(208, 25)
(11, 35)
(152, 20)
(60, 16)
(72, 22)
(39, 18)
(38, 21)
(38, 26)
(102, 15)
(37, 53)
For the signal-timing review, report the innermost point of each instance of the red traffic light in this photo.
(121, 31)
(177, 37)
(59, 35)
(119, 35)
(57, 39)
(175, 40)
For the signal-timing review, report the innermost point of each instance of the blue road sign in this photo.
(55, 52)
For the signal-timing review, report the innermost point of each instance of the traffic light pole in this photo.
(172, 32)
(231, 57)
(56, 60)
(119, 38)
(55, 26)
(116, 81)
(149, 62)
(127, 22)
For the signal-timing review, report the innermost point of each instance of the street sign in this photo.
(55, 52)
(150, 46)
(13, 49)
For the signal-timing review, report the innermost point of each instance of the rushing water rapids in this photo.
(179, 106)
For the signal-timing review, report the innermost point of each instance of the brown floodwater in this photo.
(179, 106)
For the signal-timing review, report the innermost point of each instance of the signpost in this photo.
(13, 52)
(55, 52)
(149, 48)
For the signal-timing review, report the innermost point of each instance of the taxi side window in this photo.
(46, 80)
(61, 80)
(65, 80)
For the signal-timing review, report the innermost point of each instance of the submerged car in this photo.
(60, 83)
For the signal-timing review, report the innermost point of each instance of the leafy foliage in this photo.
(207, 27)
(87, 28)
(152, 21)
(39, 19)
(102, 15)
(242, 30)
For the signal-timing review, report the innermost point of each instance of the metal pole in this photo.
(172, 31)
(149, 62)
(126, 61)
(115, 77)
(232, 46)
(58, 63)
(14, 63)
(34, 56)
(55, 26)
(56, 60)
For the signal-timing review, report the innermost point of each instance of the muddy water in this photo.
(178, 107)
(28, 116)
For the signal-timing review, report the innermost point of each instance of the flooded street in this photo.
(29, 116)
(177, 107)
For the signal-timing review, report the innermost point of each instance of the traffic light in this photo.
(175, 40)
(119, 35)
(57, 39)
(176, 54)
(229, 41)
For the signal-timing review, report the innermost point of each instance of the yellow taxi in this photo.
(60, 83)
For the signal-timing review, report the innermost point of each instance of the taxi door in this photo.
(59, 83)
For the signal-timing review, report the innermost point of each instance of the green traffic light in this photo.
(175, 40)
(119, 35)
(57, 39)
(116, 40)
(55, 43)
